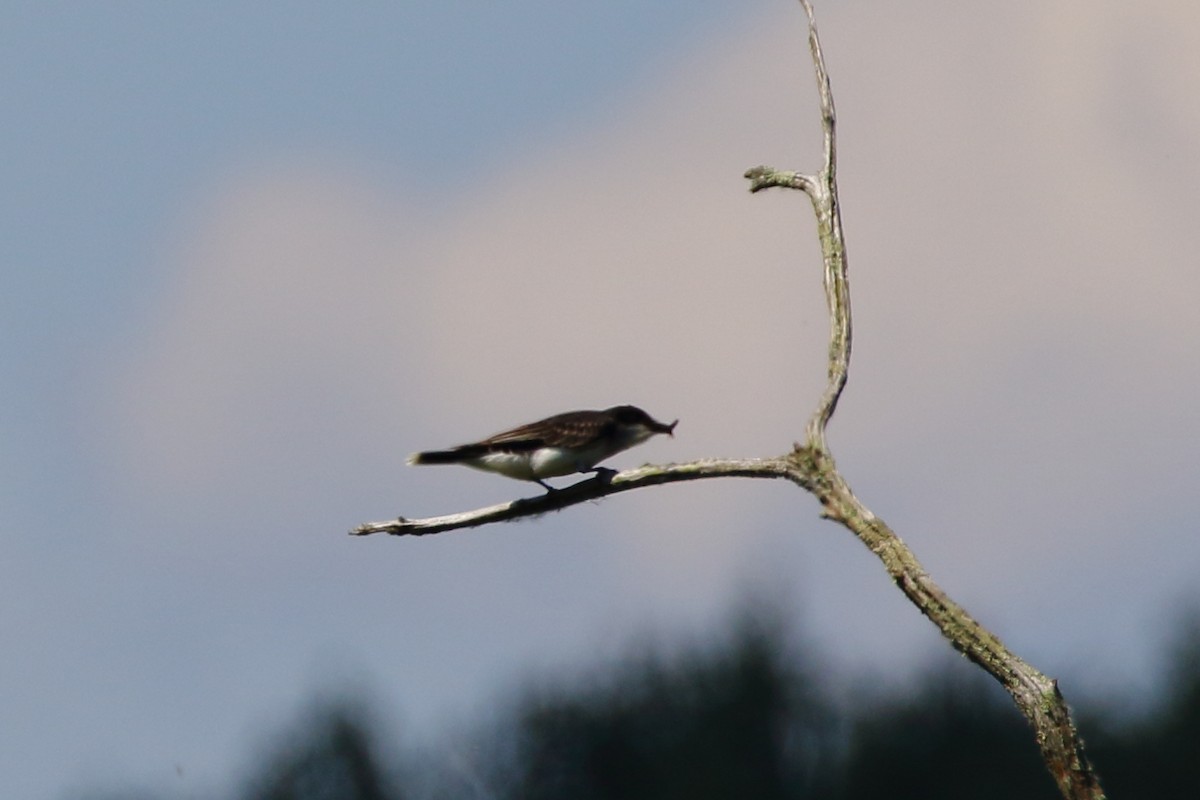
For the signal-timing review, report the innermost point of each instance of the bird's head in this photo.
(634, 417)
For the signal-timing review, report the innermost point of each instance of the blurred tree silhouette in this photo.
(955, 737)
(330, 756)
(1158, 755)
(748, 717)
(741, 720)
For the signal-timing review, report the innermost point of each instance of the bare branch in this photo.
(822, 191)
(1036, 695)
(583, 491)
(811, 466)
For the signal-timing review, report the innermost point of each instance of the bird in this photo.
(559, 445)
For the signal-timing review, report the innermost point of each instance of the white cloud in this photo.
(1022, 284)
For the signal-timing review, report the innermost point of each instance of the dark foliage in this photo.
(330, 757)
(739, 722)
(1158, 755)
(750, 719)
(955, 738)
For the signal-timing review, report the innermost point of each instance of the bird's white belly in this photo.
(550, 462)
(545, 462)
(513, 465)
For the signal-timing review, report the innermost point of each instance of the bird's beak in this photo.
(671, 429)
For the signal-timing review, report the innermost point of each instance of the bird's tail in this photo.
(456, 456)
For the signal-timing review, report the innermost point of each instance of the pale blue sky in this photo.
(255, 256)
(120, 118)
(120, 114)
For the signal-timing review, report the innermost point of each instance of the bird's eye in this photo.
(629, 416)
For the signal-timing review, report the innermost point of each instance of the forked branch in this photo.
(811, 466)
(1036, 695)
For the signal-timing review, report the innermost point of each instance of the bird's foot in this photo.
(603, 474)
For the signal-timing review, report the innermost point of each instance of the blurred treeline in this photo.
(749, 717)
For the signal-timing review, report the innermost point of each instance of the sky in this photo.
(254, 256)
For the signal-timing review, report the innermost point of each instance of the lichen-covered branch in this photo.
(1036, 695)
(822, 191)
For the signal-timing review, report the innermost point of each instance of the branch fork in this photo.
(811, 466)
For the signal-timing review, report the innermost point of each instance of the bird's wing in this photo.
(572, 429)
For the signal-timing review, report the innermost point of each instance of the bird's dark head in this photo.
(632, 416)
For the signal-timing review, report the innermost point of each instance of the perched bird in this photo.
(560, 445)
